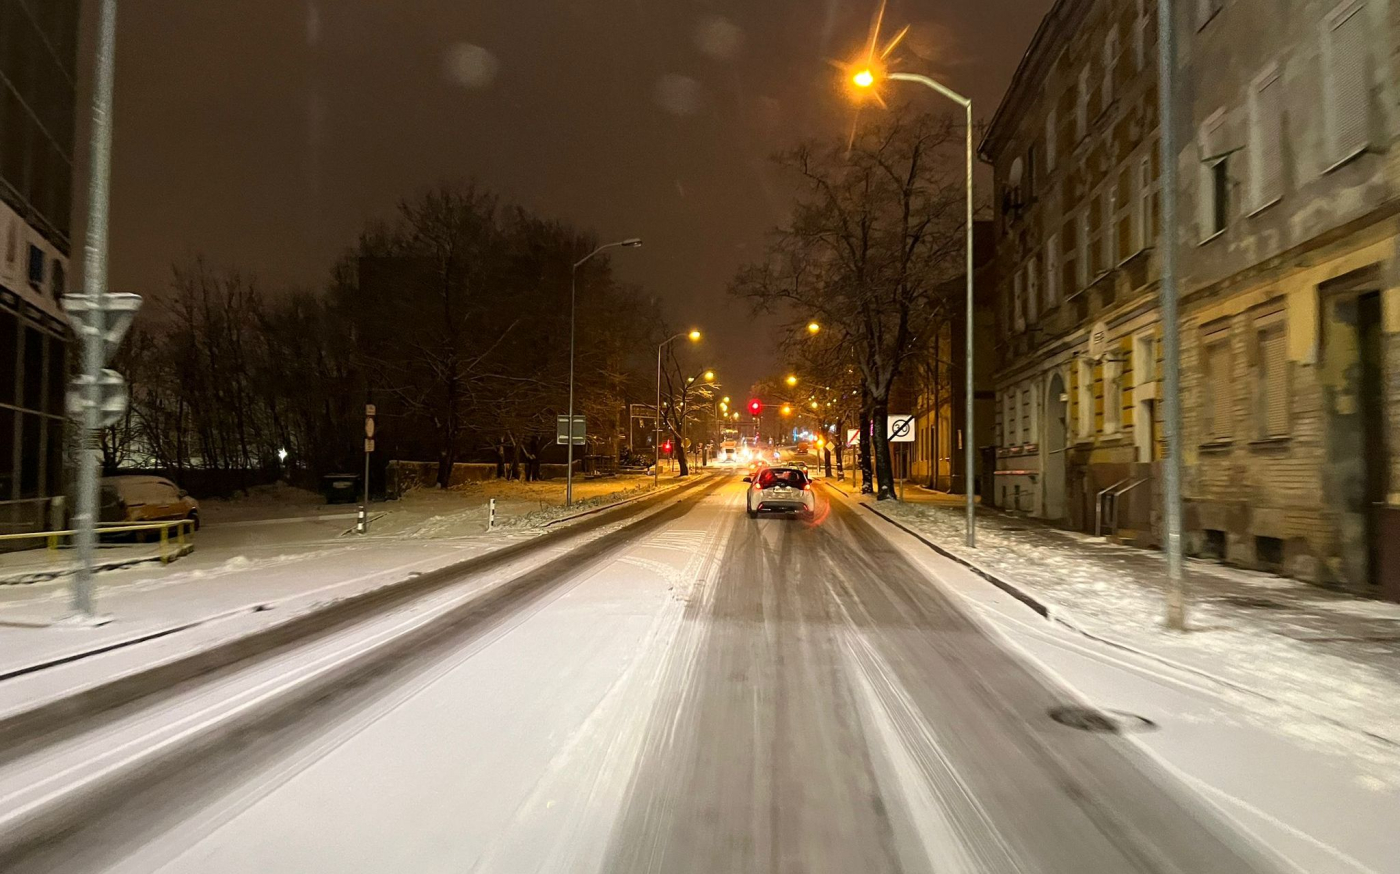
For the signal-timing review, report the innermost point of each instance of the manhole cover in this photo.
(1101, 721)
(1253, 602)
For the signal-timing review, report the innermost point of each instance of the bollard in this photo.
(164, 543)
(491, 517)
(362, 521)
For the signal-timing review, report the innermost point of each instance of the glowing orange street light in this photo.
(813, 327)
(694, 336)
(787, 410)
(791, 380)
(864, 78)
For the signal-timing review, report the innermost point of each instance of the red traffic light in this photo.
(755, 406)
(666, 447)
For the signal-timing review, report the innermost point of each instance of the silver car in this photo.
(780, 490)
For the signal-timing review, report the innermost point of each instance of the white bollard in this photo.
(491, 519)
(362, 521)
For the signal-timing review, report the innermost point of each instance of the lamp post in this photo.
(1171, 339)
(630, 243)
(865, 78)
(693, 336)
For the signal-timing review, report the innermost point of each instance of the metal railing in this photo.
(1109, 498)
(170, 548)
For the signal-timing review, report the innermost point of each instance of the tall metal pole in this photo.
(969, 429)
(569, 473)
(94, 288)
(1171, 344)
(969, 432)
(656, 419)
(630, 243)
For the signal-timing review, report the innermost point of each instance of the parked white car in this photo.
(780, 490)
(146, 499)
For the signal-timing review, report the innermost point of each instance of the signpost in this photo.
(561, 429)
(362, 526)
(900, 429)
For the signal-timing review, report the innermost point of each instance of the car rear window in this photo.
(771, 478)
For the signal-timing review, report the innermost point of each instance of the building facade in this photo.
(38, 51)
(934, 385)
(1287, 245)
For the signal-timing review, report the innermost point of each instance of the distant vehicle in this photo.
(728, 450)
(780, 490)
(146, 499)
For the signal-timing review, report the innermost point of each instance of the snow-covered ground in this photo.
(1289, 646)
(277, 545)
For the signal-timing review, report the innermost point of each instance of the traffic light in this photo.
(666, 447)
(756, 406)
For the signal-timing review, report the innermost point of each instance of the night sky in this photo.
(263, 133)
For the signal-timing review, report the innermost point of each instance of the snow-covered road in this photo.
(712, 694)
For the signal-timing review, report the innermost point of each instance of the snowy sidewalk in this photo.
(1295, 645)
(276, 552)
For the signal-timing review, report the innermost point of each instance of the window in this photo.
(1144, 360)
(1271, 394)
(1052, 270)
(1018, 297)
(1085, 232)
(1081, 109)
(1009, 417)
(1265, 140)
(1346, 81)
(1110, 65)
(1112, 395)
(1093, 252)
(1086, 399)
(1206, 10)
(1050, 141)
(1029, 182)
(1025, 416)
(1032, 288)
(1125, 242)
(1215, 177)
(58, 280)
(1140, 37)
(1147, 202)
(1070, 281)
(1217, 408)
(12, 243)
(36, 266)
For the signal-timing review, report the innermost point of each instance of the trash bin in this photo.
(341, 488)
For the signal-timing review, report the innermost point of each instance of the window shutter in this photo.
(1032, 288)
(1052, 270)
(1273, 367)
(1347, 61)
(1266, 140)
(1218, 381)
(1050, 142)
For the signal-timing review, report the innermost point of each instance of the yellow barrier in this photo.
(182, 546)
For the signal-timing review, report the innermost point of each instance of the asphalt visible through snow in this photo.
(714, 694)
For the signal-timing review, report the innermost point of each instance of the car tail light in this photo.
(806, 487)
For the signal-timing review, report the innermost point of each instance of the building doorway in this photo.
(1358, 474)
(1053, 447)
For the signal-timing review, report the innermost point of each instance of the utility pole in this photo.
(89, 312)
(1171, 342)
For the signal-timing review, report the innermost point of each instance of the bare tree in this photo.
(876, 230)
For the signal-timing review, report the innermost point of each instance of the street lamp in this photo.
(694, 337)
(630, 243)
(864, 78)
(791, 380)
(813, 328)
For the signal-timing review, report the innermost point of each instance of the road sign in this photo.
(900, 429)
(852, 438)
(112, 401)
(561, 430)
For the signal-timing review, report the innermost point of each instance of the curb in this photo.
(29, 827)
(24, 725)
(589, 512)
(1053, 613)
(1043, 608)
